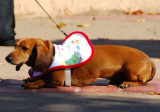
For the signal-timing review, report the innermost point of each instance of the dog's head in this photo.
(32, 51)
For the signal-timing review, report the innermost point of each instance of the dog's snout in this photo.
(9, 58)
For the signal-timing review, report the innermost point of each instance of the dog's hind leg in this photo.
(138, 75)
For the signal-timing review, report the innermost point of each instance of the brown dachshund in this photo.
(121, 65)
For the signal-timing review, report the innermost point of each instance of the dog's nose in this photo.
(9, 58)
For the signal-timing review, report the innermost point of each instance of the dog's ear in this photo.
(49, 45)
(44, 56)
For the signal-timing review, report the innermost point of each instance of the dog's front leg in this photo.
(53, 84)
(35, 84)
(55, 78)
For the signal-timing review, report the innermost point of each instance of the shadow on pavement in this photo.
(150, 47)
(63, 102)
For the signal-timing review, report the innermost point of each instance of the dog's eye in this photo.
(24, 48)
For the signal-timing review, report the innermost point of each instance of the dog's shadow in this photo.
(150, 47)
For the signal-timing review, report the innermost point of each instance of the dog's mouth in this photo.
(18, 66)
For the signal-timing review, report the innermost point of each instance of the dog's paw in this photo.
(34, 85)
(125, 85)
(31, 86)
(130, 83)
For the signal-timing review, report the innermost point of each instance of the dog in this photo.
(122, 65)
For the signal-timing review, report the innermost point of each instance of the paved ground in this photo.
(140, 32)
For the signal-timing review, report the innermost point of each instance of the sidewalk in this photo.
(12, 85)
(75, 99)
(141, 32)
